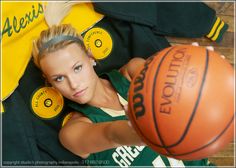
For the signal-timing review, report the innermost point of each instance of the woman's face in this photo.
(71, 72)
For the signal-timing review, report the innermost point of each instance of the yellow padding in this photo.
(214, 27)
(2, 107)
(218, 31)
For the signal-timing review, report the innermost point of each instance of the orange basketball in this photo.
(181, 102)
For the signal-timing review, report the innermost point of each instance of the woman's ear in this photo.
(91, 57)
(93, 62)
(90, 54)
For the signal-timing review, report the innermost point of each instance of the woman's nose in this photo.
(73, 83)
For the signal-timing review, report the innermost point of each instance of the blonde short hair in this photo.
(54, 38)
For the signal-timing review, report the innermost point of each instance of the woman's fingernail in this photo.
(129, 124)
(143, 144)
(222, 56)
(195, 44)
(125, 107)
(210, 48)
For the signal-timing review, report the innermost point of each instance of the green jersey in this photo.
(124, 156)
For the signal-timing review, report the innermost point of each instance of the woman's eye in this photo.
(59, 79)
(78, 68)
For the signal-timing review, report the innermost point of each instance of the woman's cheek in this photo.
(61, 89)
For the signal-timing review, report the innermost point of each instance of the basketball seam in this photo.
(192, 115)
(227, 126)
(196, 104)
(133, 118)
(206, 145)
(153, 101)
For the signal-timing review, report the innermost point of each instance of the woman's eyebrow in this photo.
(53, 76)
(75, 64)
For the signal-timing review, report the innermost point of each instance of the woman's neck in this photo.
(102, 93)
(105, 96)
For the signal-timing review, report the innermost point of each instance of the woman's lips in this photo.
(79, 93)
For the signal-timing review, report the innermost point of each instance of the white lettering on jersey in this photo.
(119, 160)
(133, 152)
(175, 163)
(140, 148)
(125, 155)
(158, 162)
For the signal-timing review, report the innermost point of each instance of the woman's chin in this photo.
(80, 100)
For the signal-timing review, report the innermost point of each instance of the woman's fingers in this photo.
(211, 48)
(55, 12)
(125, 108)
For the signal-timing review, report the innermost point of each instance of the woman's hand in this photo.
(129, 70)
(210, 48)
(129, 123)
(55, 12)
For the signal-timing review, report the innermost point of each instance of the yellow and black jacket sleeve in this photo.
(178, 19)
(217, 30)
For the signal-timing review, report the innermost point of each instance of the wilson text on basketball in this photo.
(138, 104)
